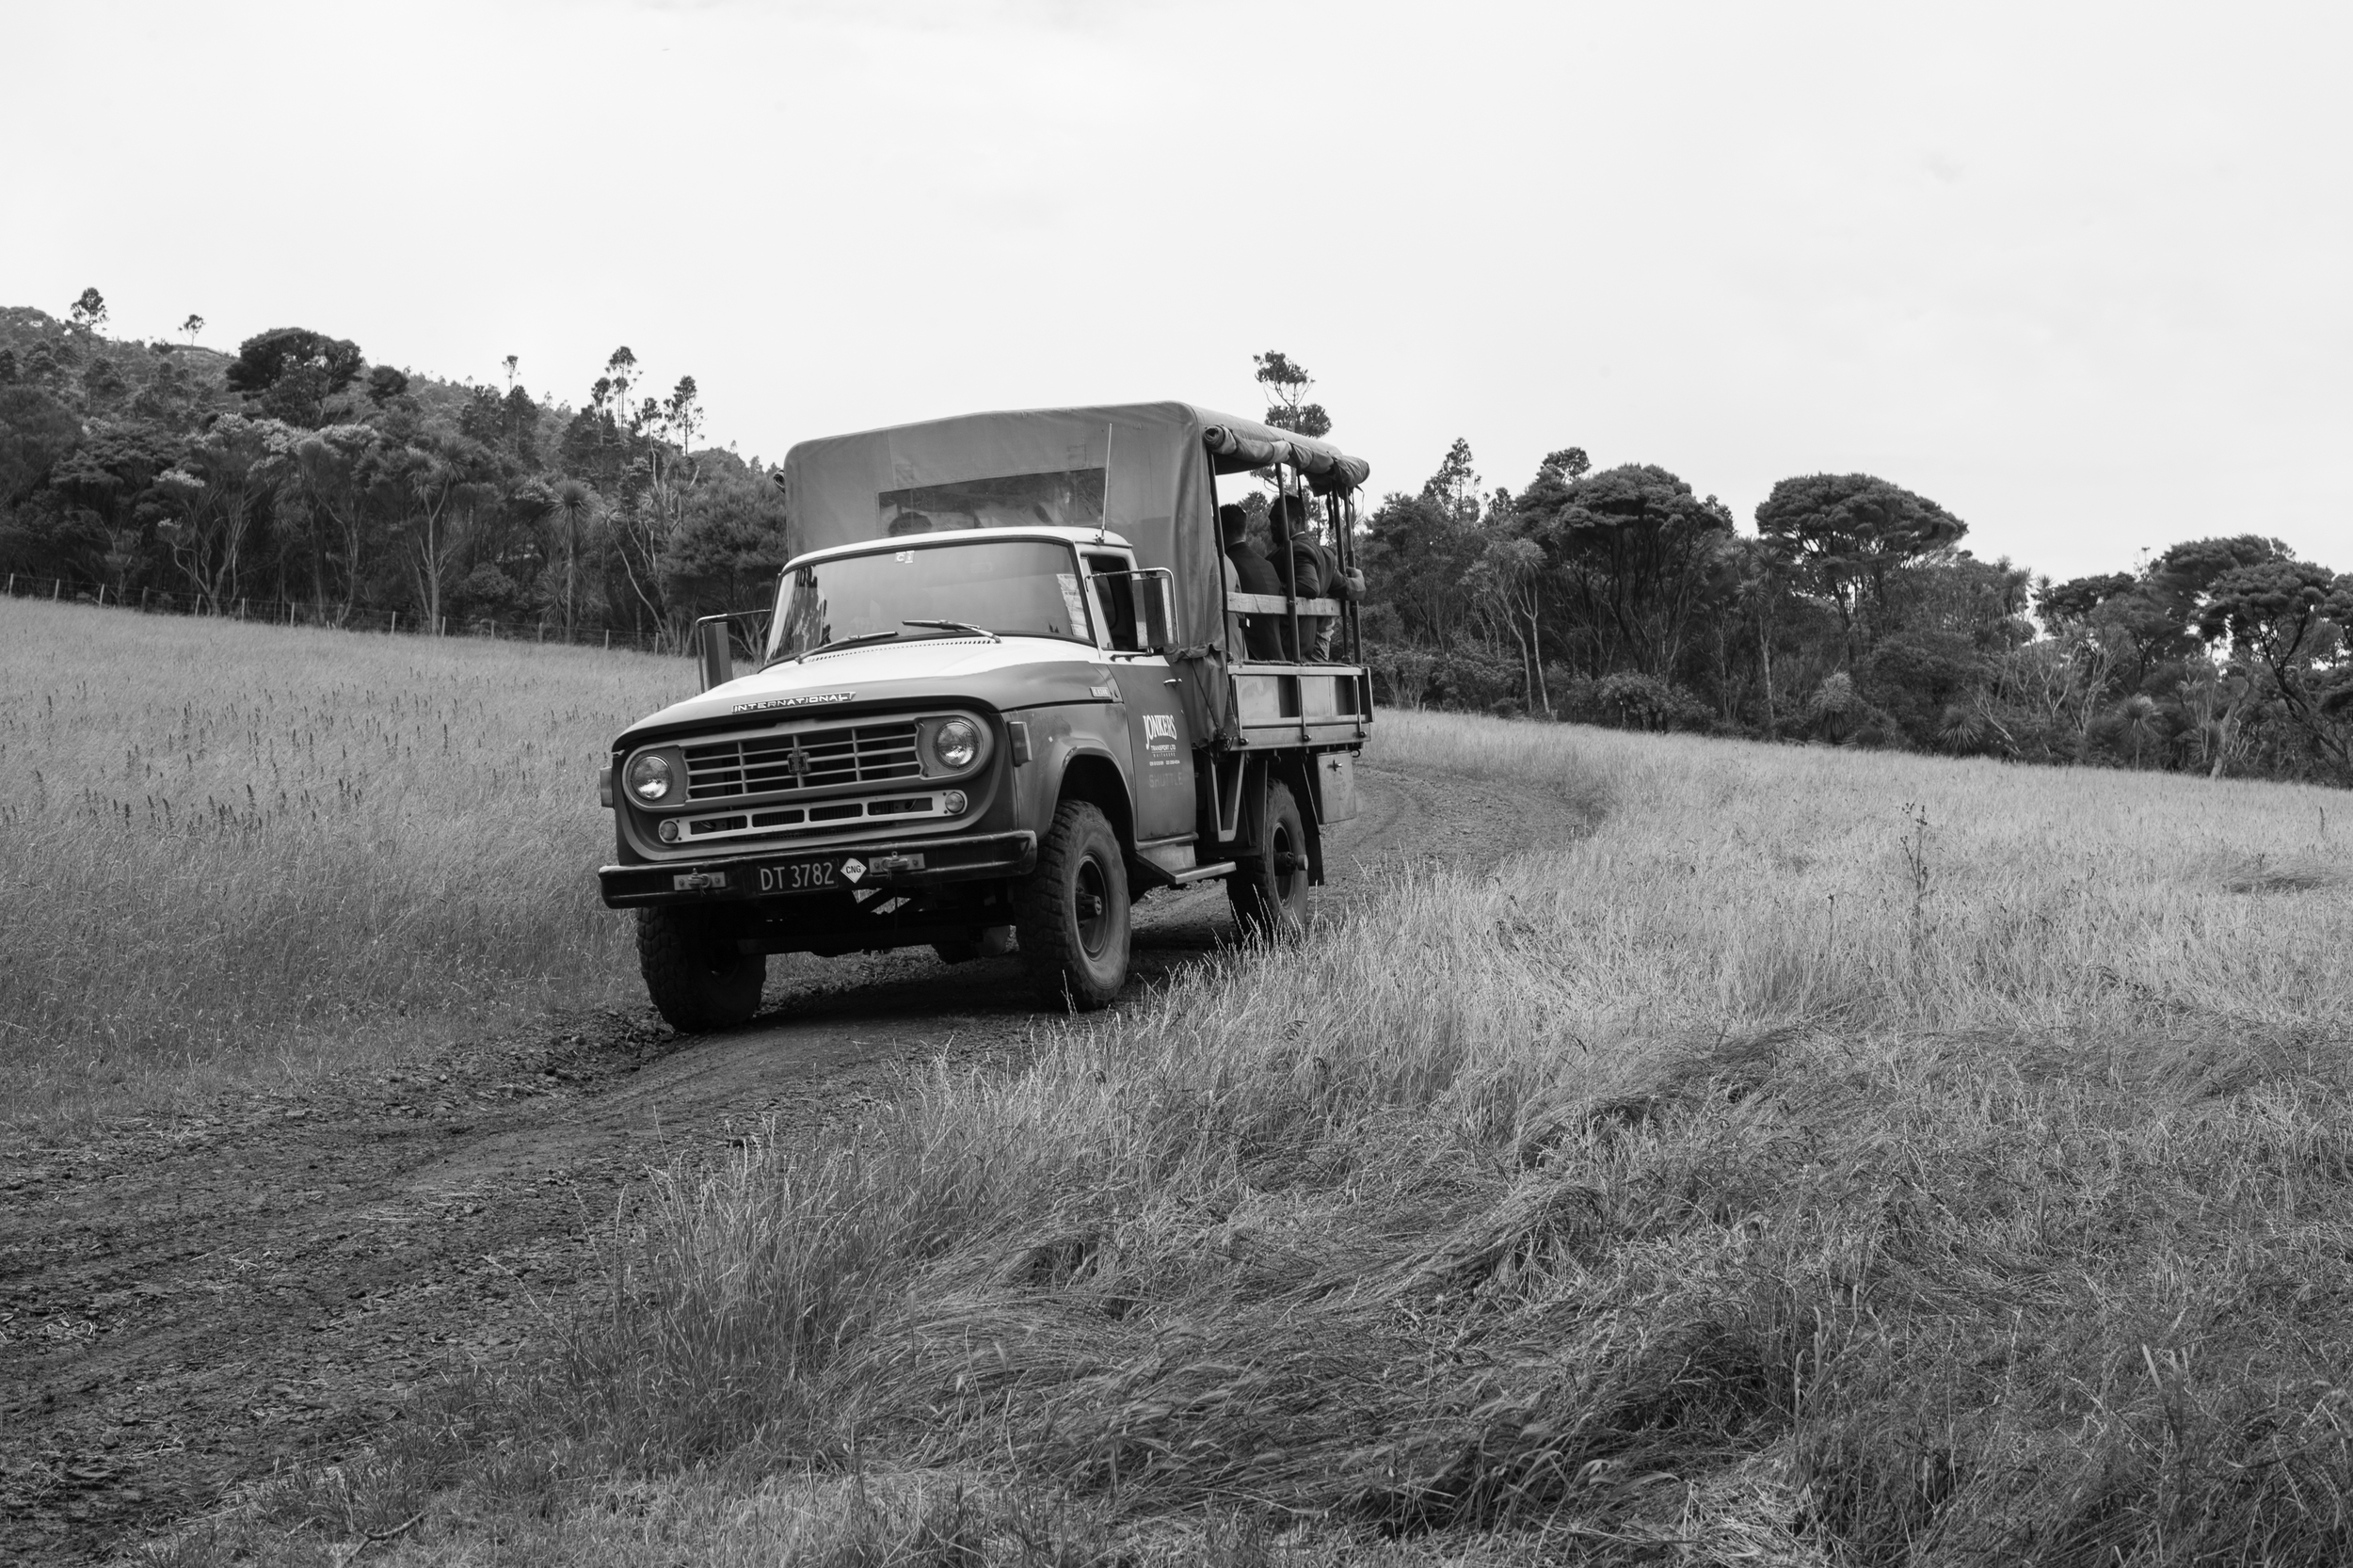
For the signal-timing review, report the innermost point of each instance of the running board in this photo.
(1200, 874)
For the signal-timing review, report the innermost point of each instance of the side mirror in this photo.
(717, 651)
(1156, 603)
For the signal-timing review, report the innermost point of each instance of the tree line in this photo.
(1853, 614)
(295, 471)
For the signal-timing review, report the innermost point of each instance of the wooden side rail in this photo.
(1275, 604)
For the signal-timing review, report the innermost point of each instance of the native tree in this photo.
(1844, 532)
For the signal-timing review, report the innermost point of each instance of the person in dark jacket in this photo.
(1296, 563)
(1253, 573)
(1310, 570)
(1298, 559)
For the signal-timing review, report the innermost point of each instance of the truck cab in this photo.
(997, 699)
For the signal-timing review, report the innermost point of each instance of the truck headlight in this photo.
(957, 743)
(652, 778)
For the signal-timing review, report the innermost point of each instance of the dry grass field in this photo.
(229, 851)
(1834, 1159)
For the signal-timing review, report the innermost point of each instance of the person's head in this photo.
(1233, 523)
(1287, 518)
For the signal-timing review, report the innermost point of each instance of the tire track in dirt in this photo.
(185, 1307)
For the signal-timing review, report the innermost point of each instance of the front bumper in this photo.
(899, 864)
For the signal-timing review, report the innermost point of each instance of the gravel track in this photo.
(187, 1306)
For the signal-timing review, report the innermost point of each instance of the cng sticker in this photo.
(853, 868)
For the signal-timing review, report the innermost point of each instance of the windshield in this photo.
(1014, 587)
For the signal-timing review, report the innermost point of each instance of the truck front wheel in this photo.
(1073, 911)
(1268, 890)
(697, 978)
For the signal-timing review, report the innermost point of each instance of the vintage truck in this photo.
(1004, 691)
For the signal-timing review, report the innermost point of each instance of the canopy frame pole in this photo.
(1339, 558)
(1290, 571)
(1355, 628)
(1340, 510)
(1225, 591)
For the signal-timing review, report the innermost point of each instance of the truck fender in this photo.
(1079, 771)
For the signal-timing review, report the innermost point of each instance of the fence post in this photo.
(54, 585)
(396, 620)
(608, 639)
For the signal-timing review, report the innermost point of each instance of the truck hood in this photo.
(1016, 672)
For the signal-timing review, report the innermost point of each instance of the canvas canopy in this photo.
(1142, 470)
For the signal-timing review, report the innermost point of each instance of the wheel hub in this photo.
(1090, 903)
(1286, 862)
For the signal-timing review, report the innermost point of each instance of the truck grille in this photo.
(825, 816)
(810, 760)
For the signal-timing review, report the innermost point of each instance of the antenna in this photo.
(1103, 513)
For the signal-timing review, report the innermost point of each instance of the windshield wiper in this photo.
(878, 636)
(957, 626)
(845, 641)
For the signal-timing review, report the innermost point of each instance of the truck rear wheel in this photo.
(697, 978)
(1268, 890)
(1072, 912)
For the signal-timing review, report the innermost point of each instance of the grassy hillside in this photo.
(1836, 1157)
(228, 850)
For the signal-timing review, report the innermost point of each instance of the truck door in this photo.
(1155, 713)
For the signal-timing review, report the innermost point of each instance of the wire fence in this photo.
(276, 612)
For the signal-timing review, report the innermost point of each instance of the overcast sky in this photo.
(2078, 272)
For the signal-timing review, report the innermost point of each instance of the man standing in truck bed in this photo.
(1309, 570)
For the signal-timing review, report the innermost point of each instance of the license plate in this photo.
(809, 876)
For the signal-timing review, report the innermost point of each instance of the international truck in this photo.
(1003, 692)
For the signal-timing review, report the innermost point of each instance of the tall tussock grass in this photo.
(1833, 1158)
(225, 847)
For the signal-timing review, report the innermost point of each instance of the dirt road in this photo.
(185, 1307)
